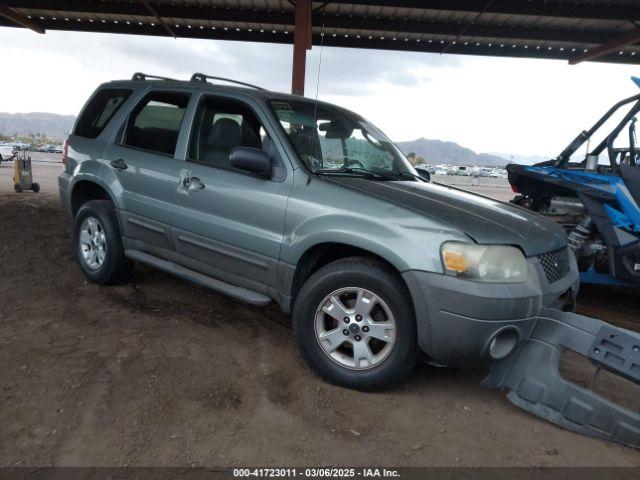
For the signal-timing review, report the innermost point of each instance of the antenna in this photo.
(315, 108)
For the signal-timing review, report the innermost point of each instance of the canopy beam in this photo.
(618, 42)
(19, 19)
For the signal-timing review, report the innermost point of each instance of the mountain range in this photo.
(523, 159)
(51, 125)
(57, 127)
(437, 151)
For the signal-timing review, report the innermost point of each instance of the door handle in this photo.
(119, 164)
(195, 185)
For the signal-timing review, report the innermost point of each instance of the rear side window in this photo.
(99, 111)
(154, 124)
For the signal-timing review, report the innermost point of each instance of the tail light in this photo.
(514, 188)
(65, 150)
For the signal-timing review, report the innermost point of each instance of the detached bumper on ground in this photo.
(532, 377)
(521, 330)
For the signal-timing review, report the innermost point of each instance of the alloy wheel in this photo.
(92, 243)
(355, 328)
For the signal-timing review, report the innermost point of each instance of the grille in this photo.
(555, 264)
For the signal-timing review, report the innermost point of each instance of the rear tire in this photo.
(17, 187)
(98, 244)
(385, 339)
(35, 187)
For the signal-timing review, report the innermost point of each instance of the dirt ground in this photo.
(162, 372)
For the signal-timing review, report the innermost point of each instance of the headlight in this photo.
(484, 263)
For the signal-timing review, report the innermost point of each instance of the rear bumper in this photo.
(64, 190)
(457, 319)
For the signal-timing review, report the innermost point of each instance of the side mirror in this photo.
(252, 160)
(424, 174)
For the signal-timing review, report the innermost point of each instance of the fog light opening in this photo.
(503, 343)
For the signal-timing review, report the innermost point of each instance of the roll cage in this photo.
(616, 155)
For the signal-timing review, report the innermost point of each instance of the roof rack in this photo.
(202, 78)
(144, 76)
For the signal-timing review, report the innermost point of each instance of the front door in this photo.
(236, 222)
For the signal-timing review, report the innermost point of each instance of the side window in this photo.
(222, 125)
(154, 124)
(99, 111)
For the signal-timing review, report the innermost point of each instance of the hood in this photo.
(485, 220)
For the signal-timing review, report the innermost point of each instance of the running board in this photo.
(531, 375)
(242, 294)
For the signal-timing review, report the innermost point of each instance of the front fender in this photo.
(347, 230)
(325, 212)
(403, 245)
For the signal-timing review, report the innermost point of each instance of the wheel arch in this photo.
(87, 189)
(320, 254)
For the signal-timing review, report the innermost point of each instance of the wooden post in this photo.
(301, 43)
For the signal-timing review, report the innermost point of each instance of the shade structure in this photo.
(570, 30)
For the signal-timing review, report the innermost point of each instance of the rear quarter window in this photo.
(101, 108)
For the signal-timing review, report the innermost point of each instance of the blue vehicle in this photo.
(596, 200)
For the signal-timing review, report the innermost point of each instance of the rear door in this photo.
(236, 223)
(144, 160)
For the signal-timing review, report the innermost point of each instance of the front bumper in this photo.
(458, 318)
(532, 377)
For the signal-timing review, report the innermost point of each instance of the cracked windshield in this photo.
(333, 141)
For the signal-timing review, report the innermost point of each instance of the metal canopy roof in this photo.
(574, 30)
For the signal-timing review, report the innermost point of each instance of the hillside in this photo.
(522, 159)
(51, 125)
(54, 126)
(437, 151)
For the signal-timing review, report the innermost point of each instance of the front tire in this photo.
(354, 324)
(98, 244)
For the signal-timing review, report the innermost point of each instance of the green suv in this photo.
(272, 197)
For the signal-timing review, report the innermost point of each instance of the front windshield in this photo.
(331, 140)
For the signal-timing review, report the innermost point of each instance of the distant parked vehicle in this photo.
(50, 149)
(7, 152)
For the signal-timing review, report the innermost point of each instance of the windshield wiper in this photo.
(349, 171)
(390, 175)
(387, 175)
(365, 172)
(411, 175)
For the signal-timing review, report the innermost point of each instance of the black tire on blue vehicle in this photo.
(360, 274)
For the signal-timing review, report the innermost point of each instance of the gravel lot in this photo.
(162, 372)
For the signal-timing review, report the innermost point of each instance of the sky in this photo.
(511, 106)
